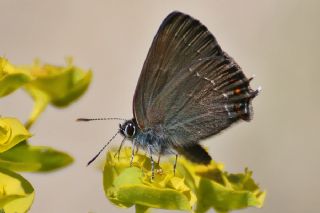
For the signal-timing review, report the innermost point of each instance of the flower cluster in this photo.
(47, 84)
(194, 187)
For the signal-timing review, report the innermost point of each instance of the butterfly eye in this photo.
(130, 130)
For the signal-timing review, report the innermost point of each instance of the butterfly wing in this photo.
(179, 40)
(188, 86)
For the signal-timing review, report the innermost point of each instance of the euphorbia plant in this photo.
(193, 187)
(47, 84)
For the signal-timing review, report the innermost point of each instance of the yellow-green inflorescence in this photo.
(47, 84)
(193, 187)
(16, 193)
(12, 132)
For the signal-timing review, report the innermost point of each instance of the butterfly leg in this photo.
(158, 162)
(152, 162)
(137, 149)
(118, 152)
(175, 165)
(132, 152)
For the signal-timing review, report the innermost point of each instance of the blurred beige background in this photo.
(278, 41)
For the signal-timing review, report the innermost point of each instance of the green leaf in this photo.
(126, 186)
(16, 193)
(11, 78)
(12, 132)
(24, 157)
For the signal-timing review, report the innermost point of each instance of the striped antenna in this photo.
(102, 149)
(99, 119)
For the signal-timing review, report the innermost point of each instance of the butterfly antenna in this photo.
(102, 149)
(99, 119)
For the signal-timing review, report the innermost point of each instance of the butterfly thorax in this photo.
(152, 139)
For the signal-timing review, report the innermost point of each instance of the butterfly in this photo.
(189, 89)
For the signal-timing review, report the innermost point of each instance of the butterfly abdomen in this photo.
(195, 153)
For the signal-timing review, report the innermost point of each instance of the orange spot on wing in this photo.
(237, 91)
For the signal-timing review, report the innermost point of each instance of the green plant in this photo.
(194, 187)
(47, 84)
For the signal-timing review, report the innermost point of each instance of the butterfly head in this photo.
(128, 129)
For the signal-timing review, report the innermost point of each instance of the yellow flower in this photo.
(199, 186)
(56, 85)
(12, 132)
(218, 189)
(62, 84)
(16, 193)
(11, 77)
(126, 186)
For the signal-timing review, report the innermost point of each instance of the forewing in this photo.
(179, 41)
